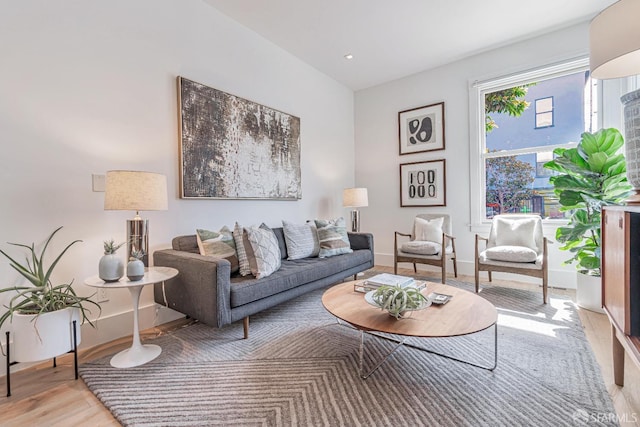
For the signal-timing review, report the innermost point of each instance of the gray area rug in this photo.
(300, 368)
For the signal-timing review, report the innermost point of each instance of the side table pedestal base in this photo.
(136, 356)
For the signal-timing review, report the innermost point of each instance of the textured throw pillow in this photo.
(511, 254)
(243, 261)
(428, 229)
(262, 249)
(515, 232)
(218, 244)
(420, 247)
(333, 237)
(301, 240)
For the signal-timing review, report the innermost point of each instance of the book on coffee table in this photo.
(387, 279)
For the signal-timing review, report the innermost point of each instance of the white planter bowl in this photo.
(589, 292)
(45, 336)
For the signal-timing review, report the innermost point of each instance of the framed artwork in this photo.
(232, 148)
(421, 129)
(423, 183)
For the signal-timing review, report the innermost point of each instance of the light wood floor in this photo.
(46, 396)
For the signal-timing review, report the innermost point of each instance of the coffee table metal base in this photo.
(402, 342)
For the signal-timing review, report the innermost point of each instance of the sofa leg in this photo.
(245, 327)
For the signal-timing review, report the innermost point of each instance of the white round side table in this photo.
(138, 354)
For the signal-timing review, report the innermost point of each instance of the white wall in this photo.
(377, 159)
(88, 87)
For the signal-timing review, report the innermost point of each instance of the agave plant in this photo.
(42, 296)
(110, 246)
(591, 175)
(136, 254)
(397, 299)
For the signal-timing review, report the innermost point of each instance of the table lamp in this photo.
(355, 198)
(136, 191)
(614, 48)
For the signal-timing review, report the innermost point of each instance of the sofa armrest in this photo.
(361, 241)
(201, 289)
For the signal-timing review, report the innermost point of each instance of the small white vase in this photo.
(110, 268)
(135, 270)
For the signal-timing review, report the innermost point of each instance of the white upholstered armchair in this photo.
(515, 245)
(431, 233)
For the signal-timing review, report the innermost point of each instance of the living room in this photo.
(90, 87)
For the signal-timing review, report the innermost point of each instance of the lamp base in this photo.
(138, 238)
(355, 221)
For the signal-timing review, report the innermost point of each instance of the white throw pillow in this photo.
(301, 239)
(511, 254)
(262, 249)
(421, 247)
(516, 232)
(429, 230)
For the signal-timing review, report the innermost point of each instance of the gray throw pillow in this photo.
(262, 249)
(301, 239)
(333, 237)
(243, 261)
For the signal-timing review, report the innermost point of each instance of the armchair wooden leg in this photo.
(444, 270)
(477, 276)
(415, 269)
(455, 266)
(490, 278)
(545, 287)
(245, 327)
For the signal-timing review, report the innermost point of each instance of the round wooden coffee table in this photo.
(465, 313)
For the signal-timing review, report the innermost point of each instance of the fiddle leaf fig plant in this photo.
(41, 295)
(590, 176)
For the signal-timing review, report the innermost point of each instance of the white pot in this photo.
(110, 268)
(44, 336)
(589, 292)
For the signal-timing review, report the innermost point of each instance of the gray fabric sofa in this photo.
(206, 290)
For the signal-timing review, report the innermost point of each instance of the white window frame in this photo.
(477, 134)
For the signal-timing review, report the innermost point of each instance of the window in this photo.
(544, 112)
(508, 153)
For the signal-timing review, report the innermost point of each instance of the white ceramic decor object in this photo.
(44, 336)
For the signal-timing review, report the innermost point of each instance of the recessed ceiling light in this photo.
(348, 56)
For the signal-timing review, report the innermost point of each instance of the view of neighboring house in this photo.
(559, 110)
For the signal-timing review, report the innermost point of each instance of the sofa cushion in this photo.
(262, 250)
(333, 237)
(421, 247)
(218, 244)
(301, 240)
(293, 273)
(511, 254)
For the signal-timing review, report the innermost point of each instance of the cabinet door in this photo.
(613, 266)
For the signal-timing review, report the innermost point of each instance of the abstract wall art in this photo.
(421, 129)
(232, 148)
(423, 183)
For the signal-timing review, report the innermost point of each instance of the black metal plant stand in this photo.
(74, 351)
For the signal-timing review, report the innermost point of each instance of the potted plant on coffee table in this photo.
(41, 313)
(590, 176)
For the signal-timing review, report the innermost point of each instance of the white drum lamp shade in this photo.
(136, 191)
(614, 40)
(355, 198)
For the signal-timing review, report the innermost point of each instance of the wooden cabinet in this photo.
(621, 282)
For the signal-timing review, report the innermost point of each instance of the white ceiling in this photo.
(390, 39)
